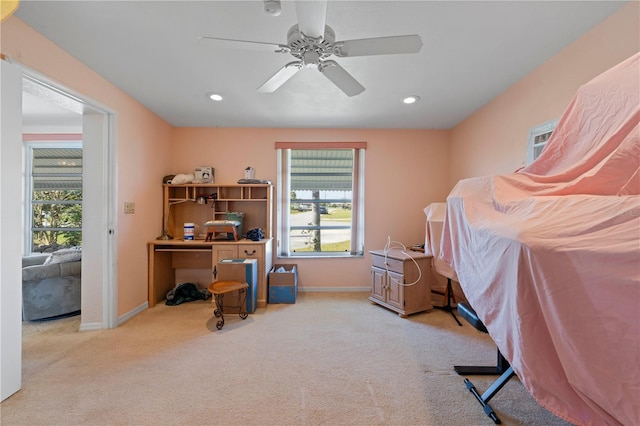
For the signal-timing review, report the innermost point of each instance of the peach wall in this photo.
(142, 146)
(405, 171)
(494, 139)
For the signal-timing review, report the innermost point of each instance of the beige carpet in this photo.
(329, 359)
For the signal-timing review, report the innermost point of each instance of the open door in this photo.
(10, 229)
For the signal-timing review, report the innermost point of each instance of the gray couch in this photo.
(49, 290)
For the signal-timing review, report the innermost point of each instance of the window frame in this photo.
(283, 200)
(538, 137)
(29, 146)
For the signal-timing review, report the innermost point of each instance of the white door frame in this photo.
(99, 224)
(99, 216)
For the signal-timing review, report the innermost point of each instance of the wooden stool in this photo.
(219, 289)
(216, 229)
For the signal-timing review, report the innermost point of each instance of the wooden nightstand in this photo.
(392, 275)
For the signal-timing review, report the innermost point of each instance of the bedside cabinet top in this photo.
(399, 254)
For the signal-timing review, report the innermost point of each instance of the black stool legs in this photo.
(489, 393)
(469, 370)
(448, 307)
(502, 367)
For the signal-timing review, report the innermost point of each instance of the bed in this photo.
(549, 256)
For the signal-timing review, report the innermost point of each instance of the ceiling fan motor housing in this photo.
(310, 50)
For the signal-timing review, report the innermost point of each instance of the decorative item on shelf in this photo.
(204, 175)
(182, 178)
(249, 173)
(250, 177)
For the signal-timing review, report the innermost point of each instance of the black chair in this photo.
(502, 366)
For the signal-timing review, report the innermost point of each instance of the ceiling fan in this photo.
(311, 43)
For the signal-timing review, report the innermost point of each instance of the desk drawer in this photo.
(253, 251)
(393, 265)
(250, 251)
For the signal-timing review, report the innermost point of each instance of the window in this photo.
(320, 199)
(53, 183)
(538, 137)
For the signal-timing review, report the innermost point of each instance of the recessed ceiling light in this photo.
(272, 7)
(214, 96)
(411, 99)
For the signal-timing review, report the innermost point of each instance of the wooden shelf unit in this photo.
(181, 206)
(169, 258)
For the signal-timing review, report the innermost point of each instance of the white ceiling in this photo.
(472, 51)
(42, 115)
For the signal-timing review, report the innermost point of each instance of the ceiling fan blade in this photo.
(279, 78)
(228, 43)
(341, 78)
(378, 46)
(312, 15)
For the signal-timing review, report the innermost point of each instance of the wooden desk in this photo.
(167, 256)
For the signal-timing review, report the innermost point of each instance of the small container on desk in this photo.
(189, 231)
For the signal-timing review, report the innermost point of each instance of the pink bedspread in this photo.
(549, 256)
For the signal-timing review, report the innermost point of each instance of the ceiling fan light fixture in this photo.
(214, 97)
(411, 99)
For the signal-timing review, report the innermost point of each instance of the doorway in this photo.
(99, 296)
(95, 123)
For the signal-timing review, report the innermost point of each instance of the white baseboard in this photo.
(92, 326)
(334, 289)
(132, 313)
